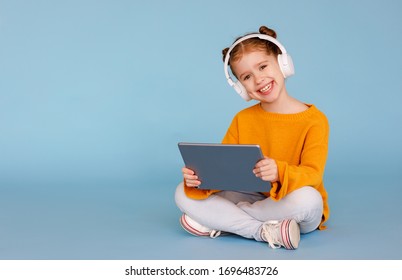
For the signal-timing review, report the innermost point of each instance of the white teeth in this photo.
(266, 88)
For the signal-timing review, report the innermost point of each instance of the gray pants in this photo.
(244, 213)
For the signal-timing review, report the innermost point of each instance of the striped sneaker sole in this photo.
(290, 233)
(191, 228)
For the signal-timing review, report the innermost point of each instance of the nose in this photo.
(259, 78)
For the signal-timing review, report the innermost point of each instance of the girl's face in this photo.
(260, 74)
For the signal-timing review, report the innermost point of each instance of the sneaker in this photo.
(196, 229)
(284, 233)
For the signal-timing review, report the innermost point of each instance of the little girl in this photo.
(293, 137)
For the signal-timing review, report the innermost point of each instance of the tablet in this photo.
(224, 167)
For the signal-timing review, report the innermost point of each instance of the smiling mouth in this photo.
(266, 89)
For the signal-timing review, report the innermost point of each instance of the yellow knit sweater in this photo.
(297, 142)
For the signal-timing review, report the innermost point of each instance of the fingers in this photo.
(190, 178)
(266, 169)
(264, 164)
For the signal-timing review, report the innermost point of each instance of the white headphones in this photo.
(284, 60)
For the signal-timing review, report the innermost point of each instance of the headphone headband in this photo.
(284, 60)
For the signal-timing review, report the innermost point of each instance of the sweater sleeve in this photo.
(310, 170)
(197, 194)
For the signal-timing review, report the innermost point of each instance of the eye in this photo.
(246, 77)
(262, 67)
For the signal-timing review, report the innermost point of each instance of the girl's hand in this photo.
(267, 170)
(190, 178)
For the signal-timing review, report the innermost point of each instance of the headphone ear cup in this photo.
(241, 90)
(286, 64)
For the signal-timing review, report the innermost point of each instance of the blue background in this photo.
(95, 95)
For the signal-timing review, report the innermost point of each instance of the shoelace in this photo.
(271, 233)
